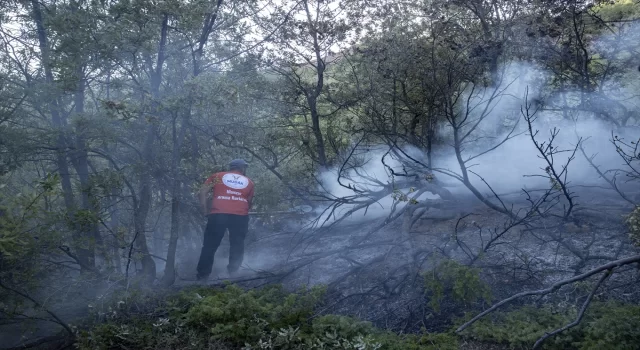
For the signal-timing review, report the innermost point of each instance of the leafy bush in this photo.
(426, 341)
(270, 318)
(605, 326)
(612, 325)
(28, 235)
(522, 327)
(231, 318)
(244, 317)
(633, 222)
(460, 283)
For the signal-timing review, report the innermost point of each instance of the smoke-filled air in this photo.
(306, 174)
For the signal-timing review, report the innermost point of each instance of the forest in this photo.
(429, 174)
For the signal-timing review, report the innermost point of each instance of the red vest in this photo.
(232, 193)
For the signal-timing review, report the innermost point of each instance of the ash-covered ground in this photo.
(374, 269)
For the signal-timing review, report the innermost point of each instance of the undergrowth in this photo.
(633, 223)
(456, 283)
(606, 325)
(271, 318)
(231, 318)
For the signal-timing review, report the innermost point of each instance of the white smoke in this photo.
(370, 173)
(516, 164)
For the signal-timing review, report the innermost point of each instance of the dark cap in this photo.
(237, 163)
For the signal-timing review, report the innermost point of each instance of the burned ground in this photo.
(376, 273)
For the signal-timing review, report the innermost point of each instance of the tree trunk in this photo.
(59, 123)
(394, 114)
(144, 205)
(80, 163)
(169, 276)
(158, 238)
(178, 137)
(430, 145)
(148, 264)
(312, 96)
(114, 223)
(317, 132)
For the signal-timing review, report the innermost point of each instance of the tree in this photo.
(306, 45)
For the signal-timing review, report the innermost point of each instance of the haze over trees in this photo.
(422, 160)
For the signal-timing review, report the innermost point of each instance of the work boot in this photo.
(233, 273)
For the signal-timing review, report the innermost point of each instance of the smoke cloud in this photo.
(515, 164)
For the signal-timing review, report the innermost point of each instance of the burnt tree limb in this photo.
(554, 287)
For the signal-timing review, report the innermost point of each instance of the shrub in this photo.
(426, 341)
(244, 317)
(522, 327)
(460, 283)
(612, 325)
(605, 326)
(268, 318)
(633, 222)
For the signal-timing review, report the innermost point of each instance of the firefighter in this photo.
(232, 200)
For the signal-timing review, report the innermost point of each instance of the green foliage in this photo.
(143, 105)
(269, 194)
(611, 325)
(13, 146)
(268, 318)
(521, 328)
(27, 235)
(426, 341)
(617, 10)
(241, 317)
(605, 326)
(106, 181)
(82, 218)
(398, 195)
(460, 283)
(10, 240)
(633, 222)
(19, 214)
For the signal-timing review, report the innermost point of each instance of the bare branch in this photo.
(611, 182)
(585, 305)
(39, 305)
(554, 287)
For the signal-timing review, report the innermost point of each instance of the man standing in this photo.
(232, 196)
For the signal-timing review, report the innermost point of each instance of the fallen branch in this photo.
(578, 319)
(610, 266)
(39, 305)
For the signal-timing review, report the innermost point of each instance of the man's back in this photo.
(232, 199)
(232, 193)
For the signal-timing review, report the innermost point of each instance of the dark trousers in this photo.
(217, 224)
